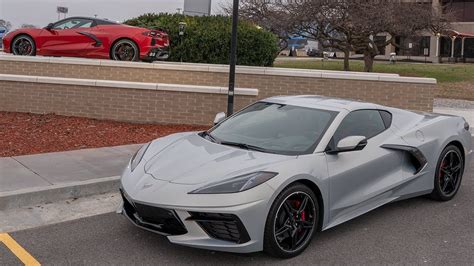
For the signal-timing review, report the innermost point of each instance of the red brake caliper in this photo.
(443, 164)
(303, 214)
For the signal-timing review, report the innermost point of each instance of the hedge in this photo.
(207, 39)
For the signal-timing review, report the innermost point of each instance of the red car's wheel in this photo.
(23, 45)
(125, 50)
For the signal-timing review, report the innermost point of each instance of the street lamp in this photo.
(182, 28)
(233, 59)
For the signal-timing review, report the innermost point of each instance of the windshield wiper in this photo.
(245, 146)
(208, 135)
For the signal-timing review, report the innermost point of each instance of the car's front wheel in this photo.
(23, 45)
(125, 50)
(291, 222)
(448, 176)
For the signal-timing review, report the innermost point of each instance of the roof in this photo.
(457, 34)
(322, 102)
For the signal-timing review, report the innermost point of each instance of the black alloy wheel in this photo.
(448, 174)
(23, 45)
(125, 50)
(292, 221)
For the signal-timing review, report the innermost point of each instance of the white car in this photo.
(282, 169)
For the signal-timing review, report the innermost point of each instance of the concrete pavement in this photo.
(49, 169)
(39, 178)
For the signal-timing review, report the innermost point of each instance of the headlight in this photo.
(235, 184)
(138, 156)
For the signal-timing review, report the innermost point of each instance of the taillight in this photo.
(154, 34)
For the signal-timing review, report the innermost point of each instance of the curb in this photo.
(41, 195)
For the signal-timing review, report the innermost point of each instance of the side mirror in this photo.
(352, 143)
(50, 26)
(219, 118)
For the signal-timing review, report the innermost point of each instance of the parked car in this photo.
(3, 31)
(90, 38)
(276, 173)
(314, 52)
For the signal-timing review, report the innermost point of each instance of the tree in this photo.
(6, 24)
(268, 15)
(28, 26)
(207, 39)
(349, 25)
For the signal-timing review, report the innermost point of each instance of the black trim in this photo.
(418, 159)
(222, 226)
(159, 220)
(97, 43)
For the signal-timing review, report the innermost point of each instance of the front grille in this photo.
(153, 42)
(156, 219)
(227, 227)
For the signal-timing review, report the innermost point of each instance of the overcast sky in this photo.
(42, 12)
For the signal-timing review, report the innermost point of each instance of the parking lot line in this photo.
(19, 251)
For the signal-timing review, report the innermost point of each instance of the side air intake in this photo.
(416, 156)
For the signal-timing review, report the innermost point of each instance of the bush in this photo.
(207, 39)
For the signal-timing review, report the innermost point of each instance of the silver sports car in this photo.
(282, 169)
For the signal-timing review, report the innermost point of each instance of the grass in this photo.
(444, 73)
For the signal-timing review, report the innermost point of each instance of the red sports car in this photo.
(91, 38)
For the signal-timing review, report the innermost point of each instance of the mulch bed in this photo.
(24, 133)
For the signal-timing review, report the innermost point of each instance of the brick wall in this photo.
(176, 107)
(132, 105)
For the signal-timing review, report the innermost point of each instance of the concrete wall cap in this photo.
(67, 81)
(127, 84)
(329, 74)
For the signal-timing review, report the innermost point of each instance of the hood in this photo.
(193, 160)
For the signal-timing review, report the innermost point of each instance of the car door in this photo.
(66, 38)
(358, 179)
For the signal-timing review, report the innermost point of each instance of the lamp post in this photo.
(233, 59)
(182, 29)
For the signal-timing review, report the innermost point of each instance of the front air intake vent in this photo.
(227, 227)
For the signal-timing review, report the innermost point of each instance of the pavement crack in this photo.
(31, 170)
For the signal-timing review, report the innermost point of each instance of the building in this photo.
(455, 45)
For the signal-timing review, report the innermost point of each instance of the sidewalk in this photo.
(49, 169)
(67, 172)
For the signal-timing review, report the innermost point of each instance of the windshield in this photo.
(275, 128)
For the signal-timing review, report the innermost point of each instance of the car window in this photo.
(279, 128)
(73, 24)
(367, 123)
(386, 117)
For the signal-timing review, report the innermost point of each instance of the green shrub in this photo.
(207, 39)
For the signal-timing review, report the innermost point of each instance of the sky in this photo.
(42, 12)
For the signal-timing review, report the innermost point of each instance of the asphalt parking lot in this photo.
(415, 231)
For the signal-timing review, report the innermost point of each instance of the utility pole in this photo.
(233, 58)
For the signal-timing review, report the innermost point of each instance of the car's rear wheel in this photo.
(23, 45)
(448, 176)
(125, 50)
(291, 222)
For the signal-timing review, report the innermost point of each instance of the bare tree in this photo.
(6, 24)
(347, 25)
(268, 15)
(28, 26)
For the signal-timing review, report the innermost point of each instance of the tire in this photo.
(280, 244)
(448, 176)
(23, 45)
(122, 49)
